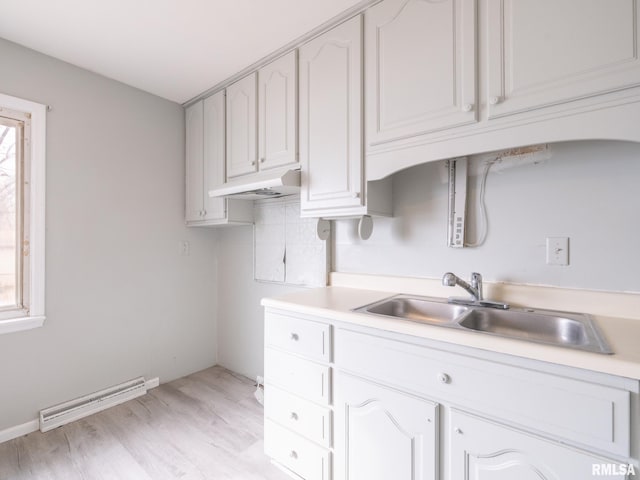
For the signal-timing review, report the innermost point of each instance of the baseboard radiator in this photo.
(73, 410)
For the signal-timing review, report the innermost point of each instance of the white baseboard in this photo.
(34, 425)
(152, 383)
(19, 430)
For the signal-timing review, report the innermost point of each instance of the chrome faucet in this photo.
(475, 290)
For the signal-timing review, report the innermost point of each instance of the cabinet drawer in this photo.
(299, 455)
(297, 375)
(299, 415)
(303, 337)
(589, 414)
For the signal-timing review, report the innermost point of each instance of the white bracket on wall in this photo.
(323, 229)
(365, 227)
(457, 201)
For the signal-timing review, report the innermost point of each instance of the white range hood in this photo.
(261, 185)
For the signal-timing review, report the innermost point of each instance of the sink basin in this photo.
(571, 330)
(416, 309)
(564, 329)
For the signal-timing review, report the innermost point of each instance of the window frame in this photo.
(33, 313)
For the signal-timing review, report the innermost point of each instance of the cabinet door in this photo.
(383, 434)
(241, 127)
(331, 118)
(420, 67)
(548, 51)
(277, 108)
(194, 166)
(214, 154)
(483, 450)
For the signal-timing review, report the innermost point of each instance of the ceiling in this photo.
(175, 49)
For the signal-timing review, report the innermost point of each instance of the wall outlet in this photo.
(558, 251)
(184, 248)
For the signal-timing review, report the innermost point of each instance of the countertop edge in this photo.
(331, 303)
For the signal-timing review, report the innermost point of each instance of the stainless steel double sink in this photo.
(565, 329)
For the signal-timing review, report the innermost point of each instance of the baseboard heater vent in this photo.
(72, 410)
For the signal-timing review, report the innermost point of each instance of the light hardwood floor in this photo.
(204, 426)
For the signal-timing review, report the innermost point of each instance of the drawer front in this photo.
(308, 419)
(297, 375)
(299, 455)
(303, 337)
(588, 414)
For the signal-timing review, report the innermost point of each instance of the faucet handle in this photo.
(476, 282)
(449, 279)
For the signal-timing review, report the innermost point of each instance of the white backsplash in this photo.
(281, 234)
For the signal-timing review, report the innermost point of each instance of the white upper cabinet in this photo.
(331, 119)
(277, 112)
(242, 152)
(194, 168)
(547, 52)
(420, 73)
(205, 157)
(411, 81)
(214, 154)
(262, 119)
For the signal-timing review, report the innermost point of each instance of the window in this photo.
(14, 128)
(22, 142)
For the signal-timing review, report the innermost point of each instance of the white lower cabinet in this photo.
(382, 433)
(297, 395)
(305, 418)
(297, 454)
(311, 339)
(396, 407)
(484, 450)
(301, 377)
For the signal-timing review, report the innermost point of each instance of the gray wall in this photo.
(240, 316)
(587, 191)
(120, 301)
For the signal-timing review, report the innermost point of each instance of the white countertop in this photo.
(336, 303)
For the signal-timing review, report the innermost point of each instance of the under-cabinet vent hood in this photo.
(261, 185)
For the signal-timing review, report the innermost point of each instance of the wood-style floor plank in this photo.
(201, 427)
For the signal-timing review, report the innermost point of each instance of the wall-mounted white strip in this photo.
(457, 202)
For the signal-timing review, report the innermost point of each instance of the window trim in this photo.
(36, 215)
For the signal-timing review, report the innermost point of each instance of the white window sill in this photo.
(20, 324)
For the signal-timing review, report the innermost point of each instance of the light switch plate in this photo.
(184, 248)
(558, 251)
